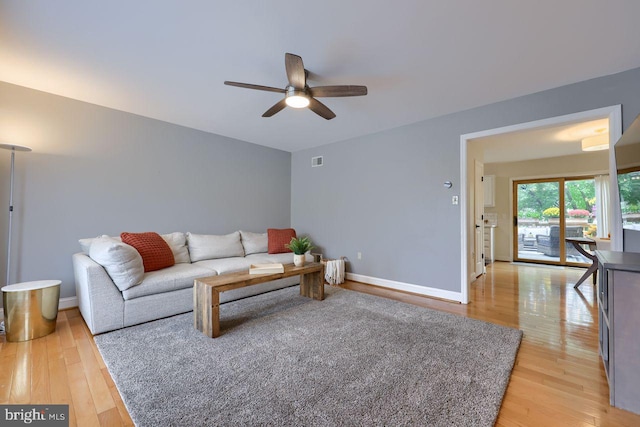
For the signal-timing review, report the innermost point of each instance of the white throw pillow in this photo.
(254, 243)
(207, 246)
(122, 262)
(85, 244)
(178, 243)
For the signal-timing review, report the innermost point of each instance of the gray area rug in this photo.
(286, 360)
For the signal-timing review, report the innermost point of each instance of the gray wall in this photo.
(382, 194)
(97, 171)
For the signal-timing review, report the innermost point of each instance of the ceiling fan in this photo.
(298, 94)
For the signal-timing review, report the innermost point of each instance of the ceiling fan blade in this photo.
(320, 109)
(256, 87)
(344, 90)
(276, 108)
(295, 70)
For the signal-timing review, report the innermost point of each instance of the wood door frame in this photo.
(562, 220)
(612, 113)
(478, 203)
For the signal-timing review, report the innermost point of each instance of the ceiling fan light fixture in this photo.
(596, 143)
(297, 99)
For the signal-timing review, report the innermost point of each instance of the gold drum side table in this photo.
(30, 309)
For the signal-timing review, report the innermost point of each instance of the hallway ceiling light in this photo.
(579, 131)
(596, 143)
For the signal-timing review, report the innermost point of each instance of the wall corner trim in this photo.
(407, 287)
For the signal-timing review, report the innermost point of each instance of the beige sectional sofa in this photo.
(114, 293)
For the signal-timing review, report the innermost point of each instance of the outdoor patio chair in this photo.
(550, 245)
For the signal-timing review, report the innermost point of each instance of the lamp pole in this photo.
(13, 149)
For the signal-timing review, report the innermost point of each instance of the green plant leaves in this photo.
(299, 245)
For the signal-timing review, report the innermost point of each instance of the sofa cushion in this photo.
(278, 238)
(207, 246)
(154, 250)
(122, 262)
(178, 243)
(179, 276)
(254, 243)
(283, 258)
(226, 265)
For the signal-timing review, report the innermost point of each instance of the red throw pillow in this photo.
(278, 238)
(154, 250)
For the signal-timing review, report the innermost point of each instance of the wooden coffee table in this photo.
(206, 292)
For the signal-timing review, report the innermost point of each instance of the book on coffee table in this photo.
(266, 268)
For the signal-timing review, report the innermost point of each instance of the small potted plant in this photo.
(299, 246)
(578, 217)
(552, 214)
(578, 213)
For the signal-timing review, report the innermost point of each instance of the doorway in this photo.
(613, 115)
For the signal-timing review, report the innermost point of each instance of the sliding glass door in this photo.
(541, 226)
(537, 233)
(580, 215)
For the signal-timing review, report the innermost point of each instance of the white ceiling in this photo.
(542, 143)
(420, 59)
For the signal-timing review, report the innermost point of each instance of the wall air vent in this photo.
(316, 162)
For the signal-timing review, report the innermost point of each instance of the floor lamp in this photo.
(13, 149)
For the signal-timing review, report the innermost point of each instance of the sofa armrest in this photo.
(100, 301)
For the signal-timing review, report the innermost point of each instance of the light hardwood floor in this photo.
(558, 379)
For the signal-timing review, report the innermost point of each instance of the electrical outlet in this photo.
(359, 255)
(454, 200)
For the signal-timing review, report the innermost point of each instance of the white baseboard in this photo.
(64, 303)
(68, 302)
(407, 287)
